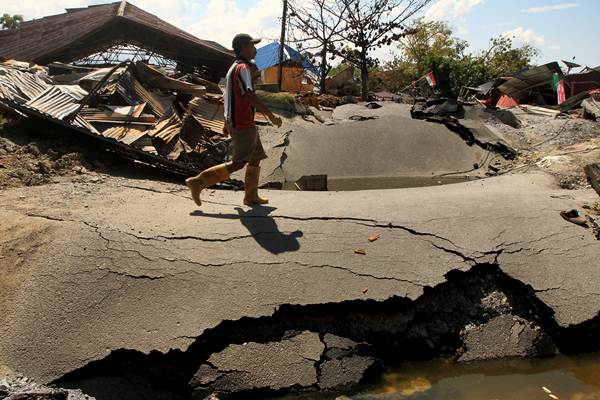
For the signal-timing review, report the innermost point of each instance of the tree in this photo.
(10, 22)
(432, 47)
(503, 59)
(371, 24)
(319, 23)
(430, 37)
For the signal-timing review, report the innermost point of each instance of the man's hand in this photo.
(275, 120)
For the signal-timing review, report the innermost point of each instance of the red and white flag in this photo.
(560, 91)
(431, 79)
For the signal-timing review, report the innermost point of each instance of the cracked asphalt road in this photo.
(92, 267)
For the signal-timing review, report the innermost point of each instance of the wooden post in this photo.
(281, 44)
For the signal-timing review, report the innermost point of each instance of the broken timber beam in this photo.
(593, 174)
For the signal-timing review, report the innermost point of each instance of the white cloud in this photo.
(521, 35)
(224, 18)
(446, 9)
(176, 12)
(553, 47)
(31, 9)
(550, 7)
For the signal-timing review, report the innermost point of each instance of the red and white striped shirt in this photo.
(239, 113)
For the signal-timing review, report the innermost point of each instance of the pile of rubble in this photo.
(29, 165)
(544, 90)
(21, 388)
(170, 121)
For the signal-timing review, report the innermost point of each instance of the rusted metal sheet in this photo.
(57, 101)
(20, 86)
(208, 113)
(167, 130)
(124, 135)
(167, 144)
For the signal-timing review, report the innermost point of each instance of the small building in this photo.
(298, 72)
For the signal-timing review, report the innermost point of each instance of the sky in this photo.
(559, 29)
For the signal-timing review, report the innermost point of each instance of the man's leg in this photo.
(210, 177)
(251, 185)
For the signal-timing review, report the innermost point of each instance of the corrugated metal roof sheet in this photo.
(125, 135)
(20, 86)
(208, 113)
(58, 101)
(520, 85)
(167, 130)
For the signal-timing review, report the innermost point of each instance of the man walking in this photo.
(240, 104)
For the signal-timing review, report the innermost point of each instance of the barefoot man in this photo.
(240, 105)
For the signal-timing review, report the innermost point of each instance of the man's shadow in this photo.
(262, 227)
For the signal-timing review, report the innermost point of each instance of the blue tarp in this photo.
(268, 55)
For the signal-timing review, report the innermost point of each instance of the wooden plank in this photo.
(593, 174)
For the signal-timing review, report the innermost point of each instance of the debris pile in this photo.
(543, 90)
(29, 165)
(134, 109)
(21, 388)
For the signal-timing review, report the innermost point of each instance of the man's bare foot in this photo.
(195, 187)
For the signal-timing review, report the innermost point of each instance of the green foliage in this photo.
(434, 48)
(10, 21)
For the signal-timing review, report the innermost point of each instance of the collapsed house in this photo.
(544, 89)
(71, 72)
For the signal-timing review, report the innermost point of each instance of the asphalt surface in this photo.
(89, 268)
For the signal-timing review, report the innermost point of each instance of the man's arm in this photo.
(260, 107)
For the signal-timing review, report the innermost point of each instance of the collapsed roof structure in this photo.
(81, 32)
(538, 86)
(113, 72)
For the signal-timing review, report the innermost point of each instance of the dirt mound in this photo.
(31, 164)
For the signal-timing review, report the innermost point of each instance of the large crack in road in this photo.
(107, 286)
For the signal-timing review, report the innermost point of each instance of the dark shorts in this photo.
(247, 146)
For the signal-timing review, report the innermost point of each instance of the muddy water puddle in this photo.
(567, 378)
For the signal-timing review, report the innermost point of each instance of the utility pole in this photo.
(281, 44)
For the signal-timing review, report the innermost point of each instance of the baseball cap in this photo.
(242, 39)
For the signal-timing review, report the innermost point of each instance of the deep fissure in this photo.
(393, 331)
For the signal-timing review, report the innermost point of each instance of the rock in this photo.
(276, 365)
(505, 336)
(32, 149)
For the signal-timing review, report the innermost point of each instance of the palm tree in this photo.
(11, 22)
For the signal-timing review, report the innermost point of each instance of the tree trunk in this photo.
(364, 75)
(323, 69)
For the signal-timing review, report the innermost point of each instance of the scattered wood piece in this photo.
(554, 397)
(365, 290)
(374, 237)
(545, 389)
(360, 251)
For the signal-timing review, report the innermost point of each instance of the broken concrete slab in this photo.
(278, 365)
(343, 373)
(299, 361)
(183, 272)
(505, 336)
